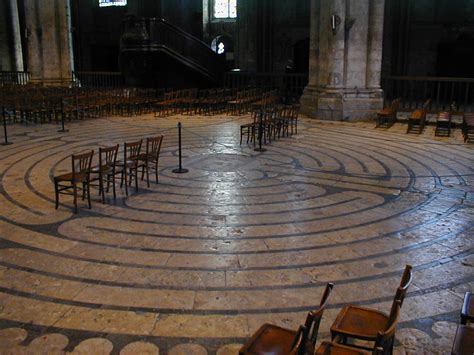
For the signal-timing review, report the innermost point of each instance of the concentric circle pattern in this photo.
(197, 262)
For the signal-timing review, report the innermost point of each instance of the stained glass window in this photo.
(225, 8)
(104, 3)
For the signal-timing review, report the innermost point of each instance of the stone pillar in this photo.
(10, 37)
(375, 45)
(16, 36)
(345, 64)
(246, 29)
(48, 47)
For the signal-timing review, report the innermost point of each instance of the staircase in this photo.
(156, 53)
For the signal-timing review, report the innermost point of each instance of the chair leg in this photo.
(124, 174)
(101, 187)
(147, 174)
(156, 171)
(56, 193)
(89, 194)
(136, 179)
(113, 186)
(74, 187)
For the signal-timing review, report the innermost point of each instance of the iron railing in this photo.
(97, 79)
(14, 78)
(443, 91)
(291, 85)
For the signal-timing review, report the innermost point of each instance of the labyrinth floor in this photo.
(196, 263)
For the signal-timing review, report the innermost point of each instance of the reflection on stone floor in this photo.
(196, 263)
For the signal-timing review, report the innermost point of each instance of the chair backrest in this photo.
(313, 319)
(386, 337)
(81, 163)
(405, 282)
(426, 104)
(255, 116)
(295, 111)
(108, 155)
(299, 343)
(444, 115)
(153, 146)
(132, 150)
(395, 104)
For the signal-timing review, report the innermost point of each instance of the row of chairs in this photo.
(272, 122)
(194, 101)
(32, 104)
(417, 120)
(352, 323)
(83, 175)
(243, 100)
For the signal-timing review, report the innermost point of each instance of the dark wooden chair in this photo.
(106, 170)
(384, 338)
(468, 127)
(332, 348)
(443, 124)
(272, 339)
(130, 165)
(295, 110)
(249, 129)
(463, 341)
(150, 159)
(77, 179)
(387, 117)
(467, 310)
(417, 119)
(365, 323)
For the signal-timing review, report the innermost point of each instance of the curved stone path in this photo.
(196, 263)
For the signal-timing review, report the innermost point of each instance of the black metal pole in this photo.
(5, 133)
(180, 170)
(62, 118)
(260, 133)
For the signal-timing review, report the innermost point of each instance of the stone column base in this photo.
(64, 82)
(341, 104)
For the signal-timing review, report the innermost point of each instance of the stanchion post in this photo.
(260, 133)
(5, 133)
(62, 118)
(180, 170)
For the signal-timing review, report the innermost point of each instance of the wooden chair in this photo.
(106, 170)
(77, 179)
(272, 339)
(248, 129)
(387, 117)
(464, 338)
(468, 127)
(463, 341)
(332, 348)
(444, 121)
(384, 338)
(130, 165)
(417, 119)
(365, 323)
(467, 310)
(295, 110)
(149, 160)
(443, 124)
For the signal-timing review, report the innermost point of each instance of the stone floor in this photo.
(196, 263)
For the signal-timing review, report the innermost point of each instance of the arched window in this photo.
(225, 9)
(105, 3)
